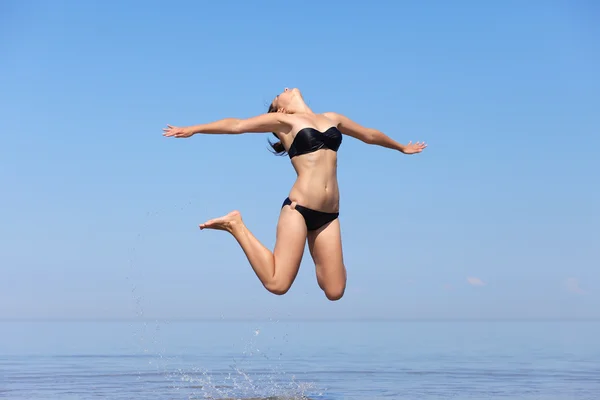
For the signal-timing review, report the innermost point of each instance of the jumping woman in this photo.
(312, 208)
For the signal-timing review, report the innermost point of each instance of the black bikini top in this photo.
(308, 140)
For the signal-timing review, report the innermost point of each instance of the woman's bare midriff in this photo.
(316, 186)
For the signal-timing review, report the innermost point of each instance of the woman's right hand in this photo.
(174, 131)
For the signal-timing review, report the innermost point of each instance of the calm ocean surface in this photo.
(319, 360)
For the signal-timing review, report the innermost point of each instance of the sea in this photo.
(271, 359)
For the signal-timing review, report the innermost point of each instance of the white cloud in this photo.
(475, 281)
(572, 285)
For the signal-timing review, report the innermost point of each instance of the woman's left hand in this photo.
(412, 148)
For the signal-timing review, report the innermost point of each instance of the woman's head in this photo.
(289, 102)
(276, 146)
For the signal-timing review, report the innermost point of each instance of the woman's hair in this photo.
(277, 147)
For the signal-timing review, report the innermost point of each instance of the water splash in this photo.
(248, 377)
(240, 382)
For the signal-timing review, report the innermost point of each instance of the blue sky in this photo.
(498, 218)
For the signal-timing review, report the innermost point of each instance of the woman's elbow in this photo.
(373, 137)
(237, 126)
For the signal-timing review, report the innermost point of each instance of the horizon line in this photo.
(294, 319)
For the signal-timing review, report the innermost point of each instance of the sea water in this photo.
(427, 360)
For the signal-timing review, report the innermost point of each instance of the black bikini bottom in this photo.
(313, 219)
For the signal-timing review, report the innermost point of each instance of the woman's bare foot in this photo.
(224, 223)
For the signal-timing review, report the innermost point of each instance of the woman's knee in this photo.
(334, 292)
(278, 286)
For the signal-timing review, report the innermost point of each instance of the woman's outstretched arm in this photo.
(372, 136)
(270, 122)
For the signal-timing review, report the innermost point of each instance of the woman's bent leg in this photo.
(276, 270)
(325, 245)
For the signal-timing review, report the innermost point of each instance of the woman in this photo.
(312, 208)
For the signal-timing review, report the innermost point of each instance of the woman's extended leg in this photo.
(325, 245)
(278, 270)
